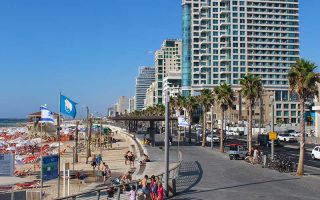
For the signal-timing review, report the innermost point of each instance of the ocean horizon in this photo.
(12, 122)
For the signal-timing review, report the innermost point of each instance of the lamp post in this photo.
(272, 125)
(167, 114)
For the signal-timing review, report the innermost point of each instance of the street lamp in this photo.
(167, 115)
(272, 124)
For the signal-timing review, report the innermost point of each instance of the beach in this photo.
(29, 147)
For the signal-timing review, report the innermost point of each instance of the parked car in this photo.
(236, 151)
(263, 140)
(286, 137)
(315, 154)
(294, 133)
(215, 138)
(230, 133)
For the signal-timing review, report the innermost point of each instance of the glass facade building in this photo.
(143, 81)
(223, 40)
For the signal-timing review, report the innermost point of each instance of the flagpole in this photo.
(58, 129)
(41, 173)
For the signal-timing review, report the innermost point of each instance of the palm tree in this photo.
(206, 100)
(251, 89)
(224, 97)
(303, 81)
(190, 105)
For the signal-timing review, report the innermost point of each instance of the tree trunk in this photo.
(222, 132)
(250, 126)
(190, 130)
(204, 128)
(300, 170)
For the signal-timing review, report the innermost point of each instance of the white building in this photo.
(131, 104)
(223, 40)
(167, 60)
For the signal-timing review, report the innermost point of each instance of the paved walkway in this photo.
(113, 157)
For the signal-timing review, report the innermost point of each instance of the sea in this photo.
(12, 122)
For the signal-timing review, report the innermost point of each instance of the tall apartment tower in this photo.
(143, 81)
(167, 61)
(123, 104)
(131, 104)
(225, 39)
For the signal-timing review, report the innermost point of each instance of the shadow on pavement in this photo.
(190, 173)
(236, 186)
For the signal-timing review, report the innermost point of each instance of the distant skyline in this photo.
(92, 51)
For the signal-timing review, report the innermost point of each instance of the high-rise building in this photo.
(143, 81)
(115, 108)
(149, 101)
(167, 60)
(131, 104)
(110, 112)
(123, 104)
(223, 40)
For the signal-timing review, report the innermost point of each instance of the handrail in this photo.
(74, 196)
(136, 182)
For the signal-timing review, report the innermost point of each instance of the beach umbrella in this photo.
(55, 144)
(11, 149)
(3, 143)
(36, 140)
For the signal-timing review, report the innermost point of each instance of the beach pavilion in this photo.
(34, 126)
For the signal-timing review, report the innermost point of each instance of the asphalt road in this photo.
(208, 174)
(289, 150)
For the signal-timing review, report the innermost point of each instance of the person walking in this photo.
(94, 162)
(105, 172)
(126, 157)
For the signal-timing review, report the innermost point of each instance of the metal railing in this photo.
(115, 192)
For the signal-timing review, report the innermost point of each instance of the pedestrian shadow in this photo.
(190, 173)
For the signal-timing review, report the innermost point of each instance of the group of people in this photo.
(129, 157)
(145, 159)
(102, 166)
(154, 189)
(254, 156)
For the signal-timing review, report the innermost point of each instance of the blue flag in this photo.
(67, 106)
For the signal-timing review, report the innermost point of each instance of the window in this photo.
(279, 113)
(278, 105)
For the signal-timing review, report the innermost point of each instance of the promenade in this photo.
(113, 157)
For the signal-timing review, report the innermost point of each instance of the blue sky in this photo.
(92, 51)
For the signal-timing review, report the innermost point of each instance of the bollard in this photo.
(98, 195)
(264, 160)
(119, 193)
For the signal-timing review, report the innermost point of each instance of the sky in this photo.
(91, 50)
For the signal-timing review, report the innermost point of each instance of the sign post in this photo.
(272, 137)
(50, 167)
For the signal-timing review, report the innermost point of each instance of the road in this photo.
(290, 150)
(208, 174)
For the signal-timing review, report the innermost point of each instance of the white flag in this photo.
(46, 115)
(182, 121)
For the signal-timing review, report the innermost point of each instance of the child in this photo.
(133, 193)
